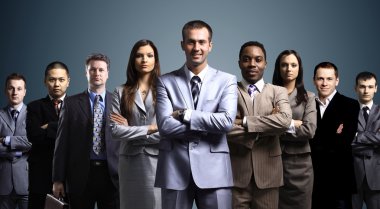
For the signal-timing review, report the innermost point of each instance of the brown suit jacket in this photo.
(255, 149)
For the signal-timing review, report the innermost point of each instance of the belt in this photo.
(98, 163)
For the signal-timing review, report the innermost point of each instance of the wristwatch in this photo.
(181, 114)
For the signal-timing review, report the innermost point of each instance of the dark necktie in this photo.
(14, 115)
(251, 90)
(56, 105)
(98, 126)
(365, 113)
(195, 80)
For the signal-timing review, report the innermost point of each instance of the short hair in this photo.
(14, 76)
(196, 24)
(100, 57)
(253, 43)
(56, 65)
(365, 75)
(328, 65)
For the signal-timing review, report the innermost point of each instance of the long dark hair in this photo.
(131, 85)
(278, 80)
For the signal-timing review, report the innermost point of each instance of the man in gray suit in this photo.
(196, 107)
(14, 146)
(365, 146)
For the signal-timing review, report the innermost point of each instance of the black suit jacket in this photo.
(41, 112)
(331, 151)
(71, 162)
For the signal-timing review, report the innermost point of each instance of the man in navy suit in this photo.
(85, 156)
(41, 127)
(365, 147)
(14, 146)
(196, 107)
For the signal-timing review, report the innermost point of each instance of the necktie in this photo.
(56, 105)
(365, 113)
(195, 80)
(98, 126)
(251, 90)
(14, 115)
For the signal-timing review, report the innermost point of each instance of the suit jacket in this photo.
(255, 150)
(134, 138)
(198, 148)
(366, 149)
(14, 169)
(71, 161)
(331, 151)
(40, 159)
(298, 143)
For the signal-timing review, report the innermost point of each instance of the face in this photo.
(252, 63)
(289, 68)
(15, 92)
(57, 82)
(325, 82)
(366, 89)
(97, 74)
(145, 60)
(196, 46)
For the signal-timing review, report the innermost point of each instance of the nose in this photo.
(196, 46)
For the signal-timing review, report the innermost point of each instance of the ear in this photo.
(182, 46)
(337, 82)
(211, 44)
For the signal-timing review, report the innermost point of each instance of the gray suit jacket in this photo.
(255, 150)
(14, 170)
(366, 146)
(198, 148)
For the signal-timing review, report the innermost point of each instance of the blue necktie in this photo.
(98, 126)
(195, 80)
(251, 90)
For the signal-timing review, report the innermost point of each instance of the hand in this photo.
(297, 123)
(58, 189)
(2, 140)
(118, 119)
(275, 110)
(340, 129)
(238, 122)
(175, 114)
(44, 126)
(152, 128)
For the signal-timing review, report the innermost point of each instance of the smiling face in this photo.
(145, 59)
(196, 45)
(252, 63)
(325, 82)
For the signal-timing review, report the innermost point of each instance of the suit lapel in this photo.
(206, 85)
(50, 110)
(247, 99)
(84, 104)
(139, 102)
(21, 118)
(4, 113)
(183, 87)
(372, 113)
(361, 121)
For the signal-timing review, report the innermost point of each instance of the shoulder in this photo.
(345, 99)
(221, 73)
(274, 88)
(310, 95)
(37, 103)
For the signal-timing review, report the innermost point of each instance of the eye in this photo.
(294, 65)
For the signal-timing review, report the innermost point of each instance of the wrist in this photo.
(181, 114)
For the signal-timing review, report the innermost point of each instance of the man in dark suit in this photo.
(193, 118)
(14, 146)
(365, 147)
(41, 127)
(331, 145)
(85, 156)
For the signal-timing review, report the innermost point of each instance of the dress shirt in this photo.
(323, 106)
(61, 98)
(259, 88)
(369, 105)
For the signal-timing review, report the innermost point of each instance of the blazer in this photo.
(71, 161)
(255, 150)
(14, 169)
(331, 151)
(40, 159)
(366, 146)
(298, 142)
(198, 148)
(134, 138)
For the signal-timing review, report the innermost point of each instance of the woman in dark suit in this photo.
(134, 123)
(296, 158)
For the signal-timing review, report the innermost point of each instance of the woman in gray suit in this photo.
(134, 123)
(296, 158)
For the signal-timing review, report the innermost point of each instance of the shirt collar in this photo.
(93, 94)
(259, 84)
(201, 75)
(18, 108)
(61, 98)
(369, 105)
(328, 99)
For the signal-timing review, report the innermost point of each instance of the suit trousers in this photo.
(13, 201)
(215, 198)
(371, 198)
(253, 197)
(99, 190)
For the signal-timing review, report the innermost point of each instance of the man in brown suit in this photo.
(263, 114)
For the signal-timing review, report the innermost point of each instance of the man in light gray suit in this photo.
(196, 107)
(14, 146)
(365, 146)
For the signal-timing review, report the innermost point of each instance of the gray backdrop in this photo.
(34, 33)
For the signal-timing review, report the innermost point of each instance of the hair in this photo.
(278, 80)
(56, 65)
(14, 76)
(253, 43)
(328, 65)
(196, 24)
(365, 75)
(131, 85)
(100, 57)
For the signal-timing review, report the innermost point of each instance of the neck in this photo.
(97, 89)
(290, 86)
(197, 69)
(15, 106)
